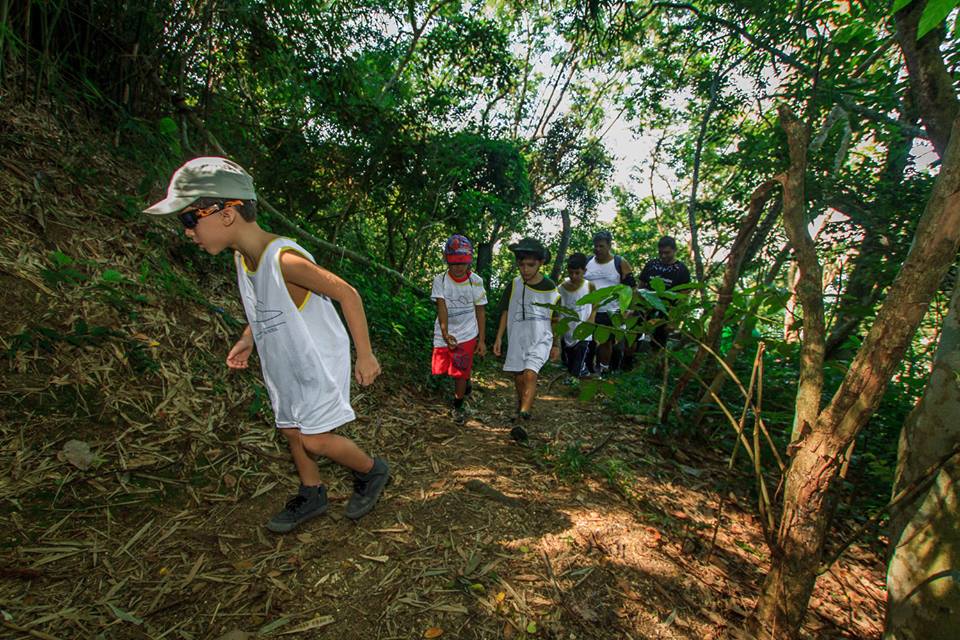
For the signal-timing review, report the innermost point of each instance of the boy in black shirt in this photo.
(673, 273)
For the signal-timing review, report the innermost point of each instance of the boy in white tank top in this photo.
(304, 349)
(528, 326)
(571, 290)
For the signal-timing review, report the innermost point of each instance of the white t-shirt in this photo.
(462, 299)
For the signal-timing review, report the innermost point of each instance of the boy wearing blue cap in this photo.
(303, 347)
(460, 329)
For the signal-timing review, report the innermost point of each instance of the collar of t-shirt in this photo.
(456, 279)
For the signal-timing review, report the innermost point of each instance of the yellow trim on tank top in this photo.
(243, 260)
(309, 292)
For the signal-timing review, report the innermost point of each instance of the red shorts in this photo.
(456, 363)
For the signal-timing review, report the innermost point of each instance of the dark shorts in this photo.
(603, 318)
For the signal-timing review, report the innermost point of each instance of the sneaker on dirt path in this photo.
(519, 434)
(460, 414)
(309, 502)
(367, 488)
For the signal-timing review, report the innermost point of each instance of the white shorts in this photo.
(317, 429)
(521, 357)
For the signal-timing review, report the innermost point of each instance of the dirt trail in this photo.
(477, 538)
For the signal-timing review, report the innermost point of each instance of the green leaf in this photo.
(273, 626)
(625, 297)
(532, 627)
(654, 300)
(600, 295)
(112, 275)
(602, 334)
(167, 126)
(899, 4)
(658, 285)
(60, 259)
(123, 615)
(934, 13)
(583, 331)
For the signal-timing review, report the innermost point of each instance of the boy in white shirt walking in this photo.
(571, 291)
(303, 346)
(528, 325)
(460, 330)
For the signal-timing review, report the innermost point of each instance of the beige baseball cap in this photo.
(206, 177)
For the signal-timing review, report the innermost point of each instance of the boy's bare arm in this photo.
(481, 330)
(239, 356)
(497, 351)
(443, 319)
(303, 273)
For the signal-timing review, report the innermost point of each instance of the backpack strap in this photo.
(618, 264)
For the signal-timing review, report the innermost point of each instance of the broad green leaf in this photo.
(600, 295)
(899, 4)
(583, 331)
(625, 297)
(934, 13)
(658, 285)
(602, 334)
(653, 300)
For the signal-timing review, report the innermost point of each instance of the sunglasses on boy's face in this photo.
(190, 217)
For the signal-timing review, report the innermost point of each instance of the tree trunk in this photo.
(695, 184)
(555, 274)
(930, 81)
(924, 534)
(731, 274)
(809, 286)
(817, 456)
(791, 323)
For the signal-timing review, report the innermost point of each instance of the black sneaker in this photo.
(519, 434)
(367, 488)
(459, 413)
(309, 502)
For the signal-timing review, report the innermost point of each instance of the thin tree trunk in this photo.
(818, 455)
(809, 286)
(557, 270)
(924, 534)
(791, 323)
(695, 185)
(725, 294)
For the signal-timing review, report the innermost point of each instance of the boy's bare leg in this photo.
(305, 463)
(459, 388)
(528, 380)
(343, 451)
(518, 382)
(604, 351)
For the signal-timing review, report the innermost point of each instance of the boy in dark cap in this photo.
(528, 325)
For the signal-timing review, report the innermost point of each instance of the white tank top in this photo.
(528, 322)
(604, 275)
(304, 352)
(569, 300)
